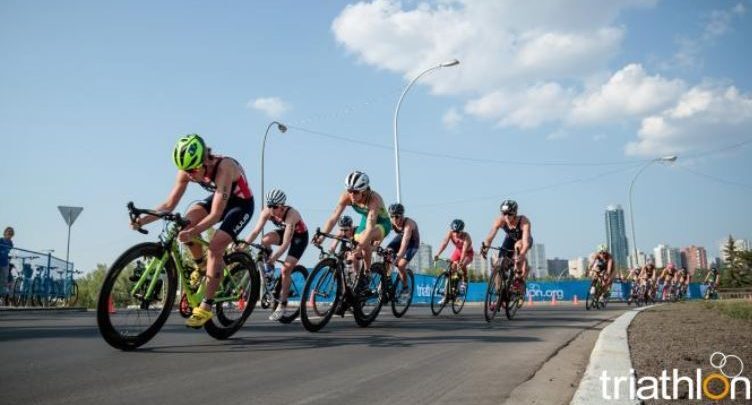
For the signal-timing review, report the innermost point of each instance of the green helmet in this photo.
(189, 152)
(601, 248)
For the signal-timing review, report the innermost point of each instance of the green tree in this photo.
(737, 269)
(89, 286)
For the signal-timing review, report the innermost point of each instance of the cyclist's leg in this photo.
(294, 253)
(402, 263)
(463, 266)
(273, 238)
(366, 242)
(394, 245)
(195, 214)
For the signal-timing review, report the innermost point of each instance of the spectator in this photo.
(6, 244)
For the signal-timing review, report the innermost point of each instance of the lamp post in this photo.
(282, 129)
(664, 159)
(453, 62)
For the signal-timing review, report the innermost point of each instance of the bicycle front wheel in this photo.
(403, 292)
(439, 293)
(136, 297)
(236, 296)
(367, 302)
(298, 277)
(321, 295)
(493, 296)
(459, 300)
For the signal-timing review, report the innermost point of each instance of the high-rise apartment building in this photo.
(694, 257)
(616, 235)
(423, 260)
(536, 260)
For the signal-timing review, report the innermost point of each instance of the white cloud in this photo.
(704, 116)
(630, 92)
(451, 118)
(273, 107)
(526, 108)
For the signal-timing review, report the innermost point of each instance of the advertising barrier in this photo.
(541, 290)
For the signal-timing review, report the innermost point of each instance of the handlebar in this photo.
(134, 213)
(350, 241)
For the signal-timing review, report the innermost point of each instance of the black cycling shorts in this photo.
(236, 216)
(396, 243)
(298, 244)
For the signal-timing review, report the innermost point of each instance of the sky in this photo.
(556, 104)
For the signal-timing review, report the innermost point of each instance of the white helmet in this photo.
(275, 197)
(357, 181)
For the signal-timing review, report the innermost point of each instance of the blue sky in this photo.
(94, 95)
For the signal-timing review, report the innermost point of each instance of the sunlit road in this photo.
(56, 358)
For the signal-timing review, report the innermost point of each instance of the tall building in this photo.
(479, 266)
(616, 235)
(694, 257)
(423, 260)
(578, 266)
(536, 260)
(557, 266)
(642, 259)
(665, 254)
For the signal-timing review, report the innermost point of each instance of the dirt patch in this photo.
(683, 336)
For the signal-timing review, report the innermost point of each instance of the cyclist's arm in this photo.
(405, 240)
(374, 206)
(178, 189)
(341, 205)
(444, 244)
(221, 196)
(265, 213)
(525, 225)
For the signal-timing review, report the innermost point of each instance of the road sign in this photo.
(70, 213)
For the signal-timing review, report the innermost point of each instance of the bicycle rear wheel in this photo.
(367, 302)
(515, 295)
(321, 295)
(298, 277)
(127, 316)
(592, 298)
(401, 301)
(439, 293)
(19, 298)
(238, 295)
(493, 296)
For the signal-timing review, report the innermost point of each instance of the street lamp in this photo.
(449, 63)
(282, 129)
(664, 159)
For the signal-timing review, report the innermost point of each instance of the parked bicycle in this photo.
(399, 293)
(139, 289)
(504, 289)
(334, 287)
(447, 289)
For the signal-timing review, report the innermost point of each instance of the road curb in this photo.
(610, 353)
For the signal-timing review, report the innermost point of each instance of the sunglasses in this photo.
(271, 207)
(354, 192)
(395, 216)
(508, 214)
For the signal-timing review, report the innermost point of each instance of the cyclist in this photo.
(667, 277)
(463, 251)
(230, 202)
(346, 230)
(6, 245)
(518, 237)
(648, 275)
(602, 265)
(291, 236)
(633, 277)
(711, 280)
(405, 244)
(684, 279)
(374, 223)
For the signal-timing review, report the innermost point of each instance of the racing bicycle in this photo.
(505, 290)
(447, 289)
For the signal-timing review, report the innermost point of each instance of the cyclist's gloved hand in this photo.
(187, 235)
(240, 246)
(435, 258)
(136, 224)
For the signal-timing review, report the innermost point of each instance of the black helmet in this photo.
(508, 206)
(396, 209)
(345, 222)
(457, 225)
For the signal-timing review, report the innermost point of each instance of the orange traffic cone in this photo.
(241, 303)
(574, 301)
(553, 299)
(110, 305)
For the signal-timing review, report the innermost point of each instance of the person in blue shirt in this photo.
(6, 244)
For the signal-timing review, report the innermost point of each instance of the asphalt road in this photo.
(59, 358)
